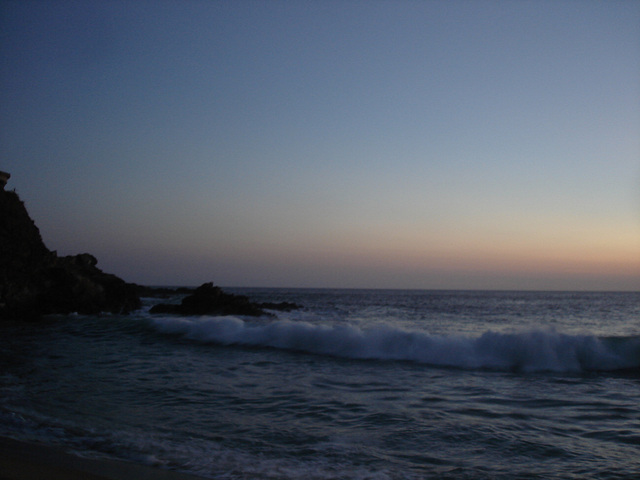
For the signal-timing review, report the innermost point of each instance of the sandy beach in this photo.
(26, 461)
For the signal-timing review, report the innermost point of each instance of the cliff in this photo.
(35, 281)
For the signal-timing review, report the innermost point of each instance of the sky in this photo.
(350, 144)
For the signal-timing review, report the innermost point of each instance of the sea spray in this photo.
(531, 351)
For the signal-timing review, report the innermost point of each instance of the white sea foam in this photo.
(524, 351)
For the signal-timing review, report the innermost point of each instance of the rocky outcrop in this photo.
(208, 299)
(76, 284)
(34, 281)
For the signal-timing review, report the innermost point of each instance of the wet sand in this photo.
(26, 461)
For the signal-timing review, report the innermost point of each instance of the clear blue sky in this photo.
(401, 144)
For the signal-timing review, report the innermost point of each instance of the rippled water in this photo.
(358, 384)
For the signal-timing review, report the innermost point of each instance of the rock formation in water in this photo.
(208, 299)
(35, 281)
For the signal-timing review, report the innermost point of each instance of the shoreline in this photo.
(21, 460)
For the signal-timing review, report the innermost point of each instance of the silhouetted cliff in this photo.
(34, 281)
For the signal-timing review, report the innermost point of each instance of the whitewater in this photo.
(358, 384)
(531, 351)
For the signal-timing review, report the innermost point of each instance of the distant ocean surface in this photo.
(359, 384)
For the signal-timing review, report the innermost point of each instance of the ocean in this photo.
(358, 384)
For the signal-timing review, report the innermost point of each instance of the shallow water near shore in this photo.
(359, 384)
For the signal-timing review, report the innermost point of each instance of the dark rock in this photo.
(208, 299)
(79, 286)
(4, 178)
(35, 281)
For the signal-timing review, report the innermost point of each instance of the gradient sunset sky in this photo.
(388, 144)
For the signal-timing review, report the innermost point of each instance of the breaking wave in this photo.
(533, 351)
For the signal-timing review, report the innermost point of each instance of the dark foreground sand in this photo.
(25, 461)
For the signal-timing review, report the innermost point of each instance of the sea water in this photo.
(358, 384)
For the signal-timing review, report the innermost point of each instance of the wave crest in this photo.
(532, 351)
